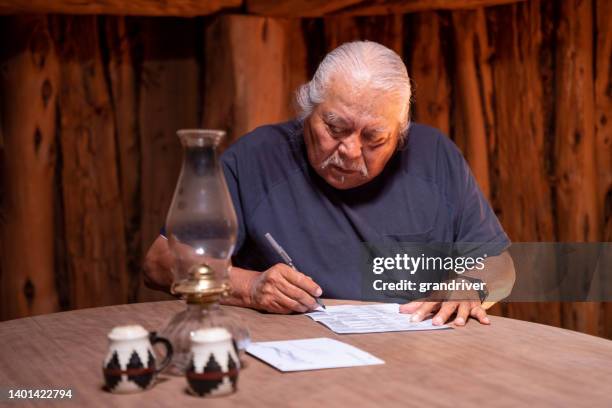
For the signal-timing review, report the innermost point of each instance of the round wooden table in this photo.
(508, 363)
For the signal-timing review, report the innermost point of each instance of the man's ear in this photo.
(400, 137)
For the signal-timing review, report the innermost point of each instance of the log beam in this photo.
(29, 85)
(182, 8)
(248, 83)
(386, 30)
(119, 43)
(603, 113)
(575, 152)
(474, 92)
(168, 93)
(93, 216)
(603, 133)
(427, 68)
(270, 8)
(520, 130)
(318, 8)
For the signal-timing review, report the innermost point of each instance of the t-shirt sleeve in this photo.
(476, 229)
(229, 164)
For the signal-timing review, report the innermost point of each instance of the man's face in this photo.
(351, 136)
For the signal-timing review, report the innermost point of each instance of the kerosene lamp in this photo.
(201, 228)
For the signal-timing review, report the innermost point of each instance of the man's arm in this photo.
(498, 274)
(279, 289)
(157, 264)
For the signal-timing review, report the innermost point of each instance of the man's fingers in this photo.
(411, 307)
(463, 312)
(285, 281)
(272, 291)
(302, 281)
(479, 313)
(423, 311)
(288, 303)
(447, 309)
(298, 294)
(276, 307)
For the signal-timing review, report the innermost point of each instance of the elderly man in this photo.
(350, 169)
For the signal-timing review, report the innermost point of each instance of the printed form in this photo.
(347, 319)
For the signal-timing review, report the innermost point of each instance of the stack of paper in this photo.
(377, 318)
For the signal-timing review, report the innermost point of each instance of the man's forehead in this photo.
(359, 106)
(346, 119)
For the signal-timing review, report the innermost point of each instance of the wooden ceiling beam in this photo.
(317, 8)
(179, 8)
(272, 8)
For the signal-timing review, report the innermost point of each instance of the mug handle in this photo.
(154, 338)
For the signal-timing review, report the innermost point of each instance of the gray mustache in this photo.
(336, 160)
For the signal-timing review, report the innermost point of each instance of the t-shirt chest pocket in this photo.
(419, 214)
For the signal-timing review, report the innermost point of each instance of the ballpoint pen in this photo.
(287, 259)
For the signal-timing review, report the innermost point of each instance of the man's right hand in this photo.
(282, 289)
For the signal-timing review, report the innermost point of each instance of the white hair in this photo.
(377, 66)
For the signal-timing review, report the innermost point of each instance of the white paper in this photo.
(376, 318)
(310, 354)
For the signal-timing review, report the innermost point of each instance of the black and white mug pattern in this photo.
(213, 363)
(130, 364)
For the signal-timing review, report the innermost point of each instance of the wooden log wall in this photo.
(603, 129)
(31, 82)
(90, 106)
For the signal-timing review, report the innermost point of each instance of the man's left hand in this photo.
(463, 308)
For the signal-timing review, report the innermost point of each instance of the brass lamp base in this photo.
(201, 286)
(208, 297)
(202, 291)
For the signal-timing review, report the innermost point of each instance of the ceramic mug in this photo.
(213, 363)
(131, 365)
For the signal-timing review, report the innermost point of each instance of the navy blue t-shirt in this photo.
(426, 193)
